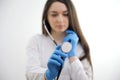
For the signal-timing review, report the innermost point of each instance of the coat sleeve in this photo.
(34, 71)
(81, 70)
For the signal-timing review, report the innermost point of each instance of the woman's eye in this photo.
(65, 14)
(54, 15)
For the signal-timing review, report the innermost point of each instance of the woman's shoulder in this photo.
(38, 37)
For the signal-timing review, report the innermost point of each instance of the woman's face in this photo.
(58, 17)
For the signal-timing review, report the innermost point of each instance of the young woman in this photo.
(45, 57)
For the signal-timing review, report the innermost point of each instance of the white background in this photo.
(99, 20)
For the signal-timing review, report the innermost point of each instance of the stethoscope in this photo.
(65, 47)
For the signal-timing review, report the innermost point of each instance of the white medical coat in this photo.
(40, 48)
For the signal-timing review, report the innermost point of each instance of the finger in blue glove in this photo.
(54, 63)
(73, 39)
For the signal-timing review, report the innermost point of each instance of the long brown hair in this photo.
(73, 25)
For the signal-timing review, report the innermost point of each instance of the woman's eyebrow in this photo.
(65, 11)
(57, 11)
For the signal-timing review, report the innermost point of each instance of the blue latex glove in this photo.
(73, 39)
(54, 63)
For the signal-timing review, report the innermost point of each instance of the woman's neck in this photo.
(58, 36)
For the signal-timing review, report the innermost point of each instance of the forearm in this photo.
(78, 71)
(35, 73)
(35, 76)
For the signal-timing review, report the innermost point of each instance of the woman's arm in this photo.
(34, 71)
(80, 70)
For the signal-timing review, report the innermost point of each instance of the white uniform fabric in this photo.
(40, 49)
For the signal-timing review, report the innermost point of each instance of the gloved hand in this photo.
(54, 63)
(73, 39)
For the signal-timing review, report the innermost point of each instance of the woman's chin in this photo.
(61, 30)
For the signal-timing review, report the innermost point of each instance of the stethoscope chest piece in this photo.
(66, 47)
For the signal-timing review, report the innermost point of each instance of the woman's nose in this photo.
(60, 18)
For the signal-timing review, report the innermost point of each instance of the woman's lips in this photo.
(60, 26)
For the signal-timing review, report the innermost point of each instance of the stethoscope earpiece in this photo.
(66, 47)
